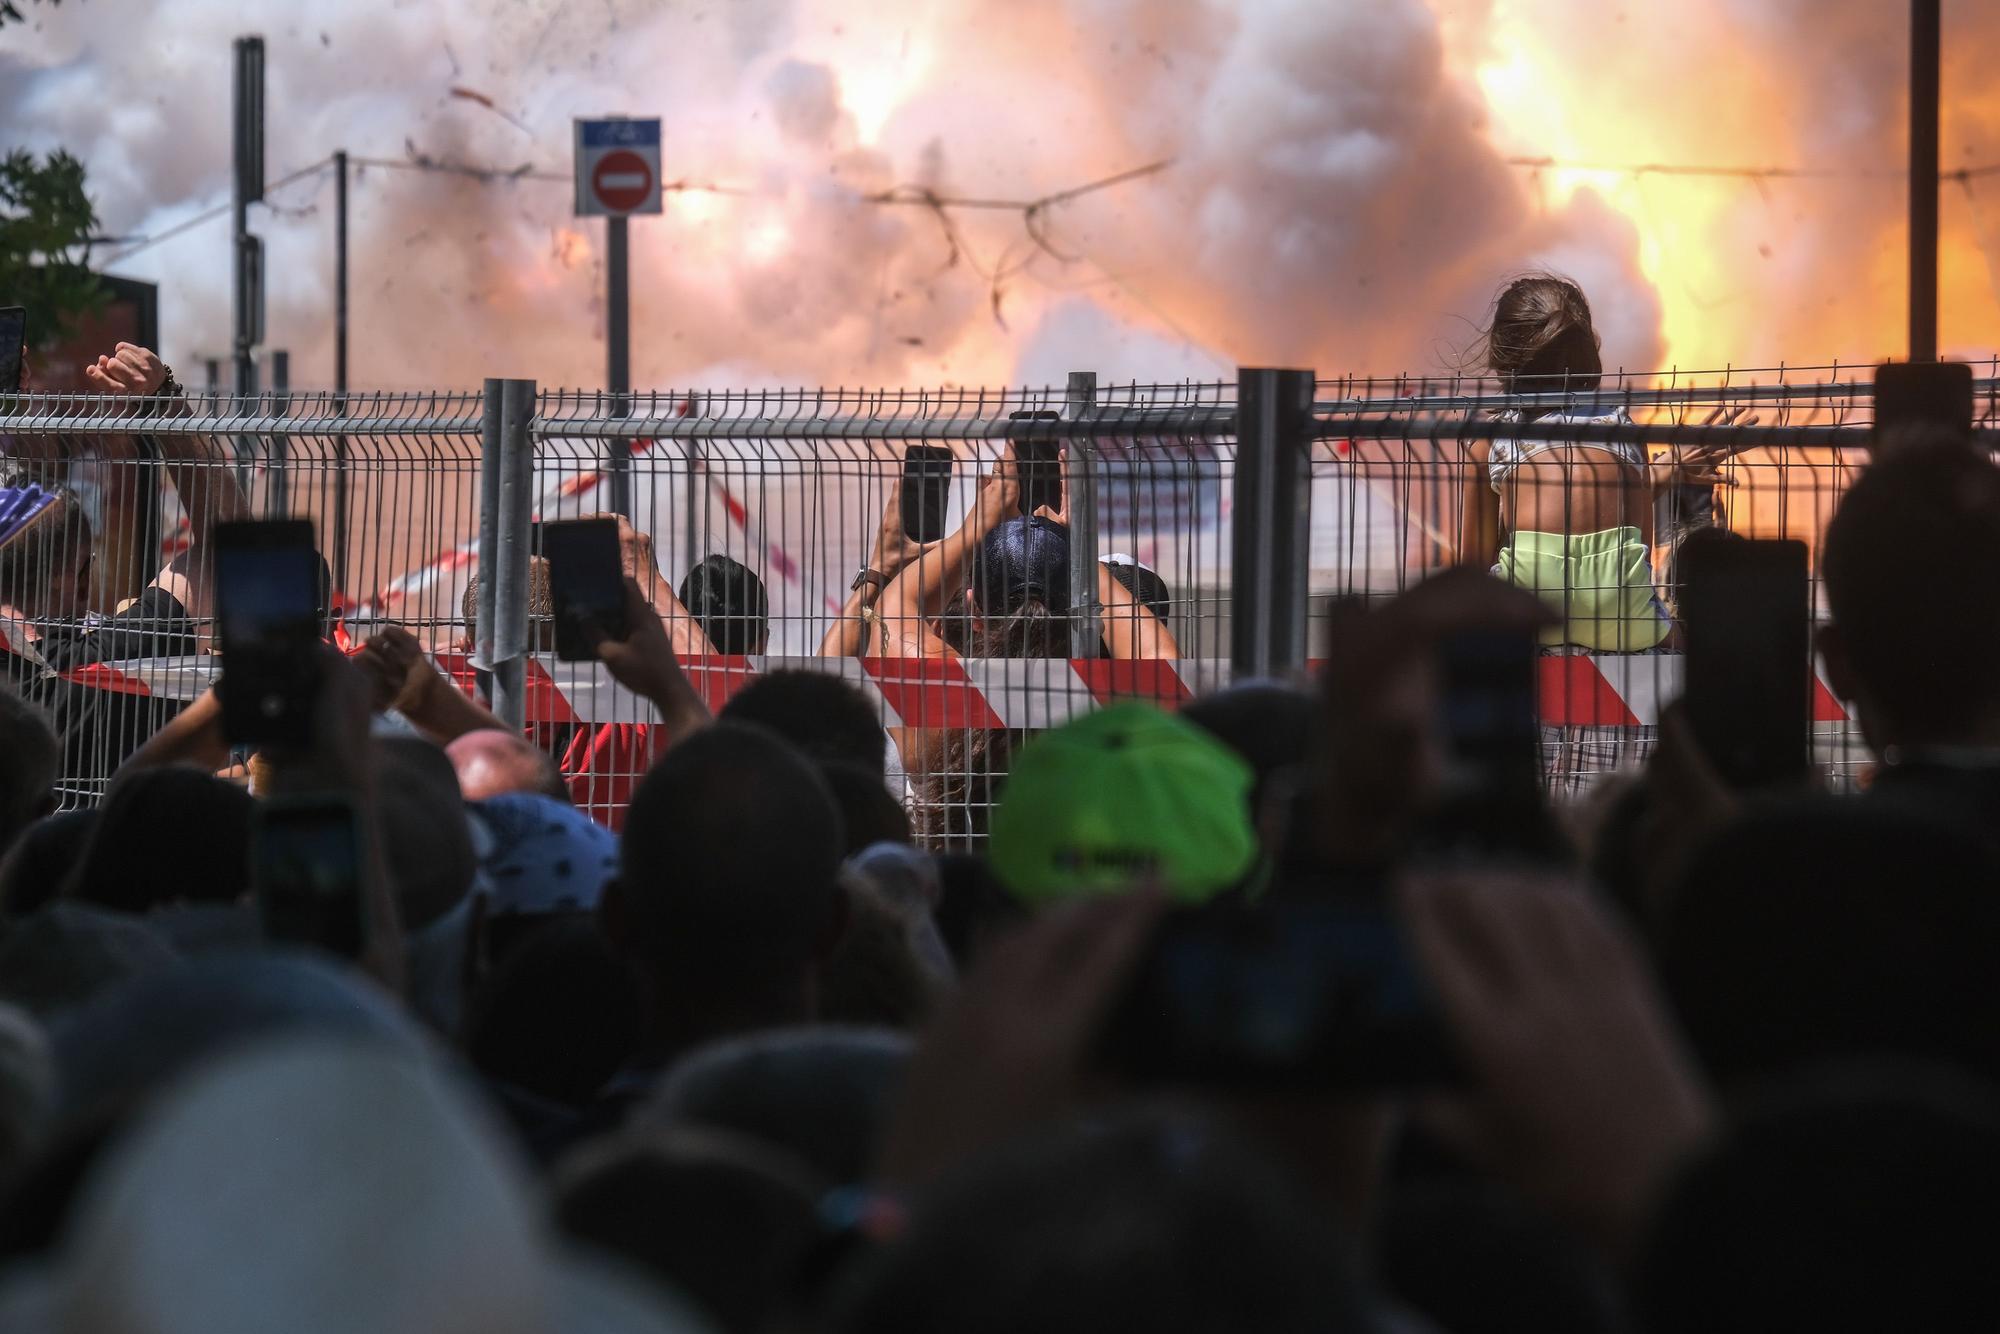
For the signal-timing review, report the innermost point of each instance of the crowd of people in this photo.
(1236, 1018)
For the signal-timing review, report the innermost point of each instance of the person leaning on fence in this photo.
(1572, 522)
(1909, 647)
(1012, 572)
(47, 548)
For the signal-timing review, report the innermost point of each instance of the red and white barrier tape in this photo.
(976, 693)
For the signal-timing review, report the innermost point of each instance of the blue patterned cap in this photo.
(543, 856)
(20, 505)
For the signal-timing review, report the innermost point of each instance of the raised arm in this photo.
(199, 468)
(642, 567)
(927, 583)
(848, 635)
(646, 663)
(1129, 627)
(402, 678)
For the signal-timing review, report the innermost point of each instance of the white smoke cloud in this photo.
(1333, 201)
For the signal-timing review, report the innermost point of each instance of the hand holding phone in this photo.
(307, 869)
(1039, 464)
(586, 583)
(267, 598)
(1491, 800)
(1746, 610)
(926, 492)
(1302, 991)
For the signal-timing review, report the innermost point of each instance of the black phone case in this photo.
(926, 493)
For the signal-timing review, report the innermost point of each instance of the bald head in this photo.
(492, 763)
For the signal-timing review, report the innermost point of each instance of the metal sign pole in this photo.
(1924, 43)
(618, 305)
(340, 518)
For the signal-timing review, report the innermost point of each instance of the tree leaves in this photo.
(46, 221)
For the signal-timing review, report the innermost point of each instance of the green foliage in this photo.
(46, 222)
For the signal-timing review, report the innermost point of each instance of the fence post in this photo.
(278, 473)
(489, 522)
(1085, 632)
(516, 505)
(1270, 524)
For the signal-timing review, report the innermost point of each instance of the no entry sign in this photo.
(617, 167)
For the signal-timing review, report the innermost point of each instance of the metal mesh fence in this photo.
(1227, 523)
(763, 510)
(1587, 493)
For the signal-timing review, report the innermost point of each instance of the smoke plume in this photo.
(1338, 194)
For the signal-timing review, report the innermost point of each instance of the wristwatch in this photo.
(872, 577)
(170, 387)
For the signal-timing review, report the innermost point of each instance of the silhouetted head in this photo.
(826, 718)
(822, 1093)
(1913, 544)
(1860, 1202)
(730, 1222)
(1830, 929)
(728, 600)
(727, 890)
(166, 836)
(1135, 1224)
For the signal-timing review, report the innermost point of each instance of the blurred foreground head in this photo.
(1832, 929)
(727, 891)
(324, 1185)
(1143, 1226)
(1861, 1202)
(1907, 558)
(493, 763)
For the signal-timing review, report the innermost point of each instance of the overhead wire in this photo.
(147, 242)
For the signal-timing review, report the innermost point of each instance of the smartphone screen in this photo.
(1040, 464)
(1299, 993)
(1746, 611)
(1490, 800)
(1487, 711)
(1938, 393)
(267, 600)
(13, 345)
(926, 491)
(586, 583)
(306, 861)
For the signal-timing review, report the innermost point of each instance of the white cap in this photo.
(316, 1186)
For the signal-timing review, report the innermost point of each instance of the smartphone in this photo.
(1040, 466)
(586, 583)
(926, 491)
(1490, 798)
(1295, 993)
(13, 347)
(267, 602)
(1938, 393)
(306, 858)
(1746, 613)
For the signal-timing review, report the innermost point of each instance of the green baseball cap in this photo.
(1119, 796)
